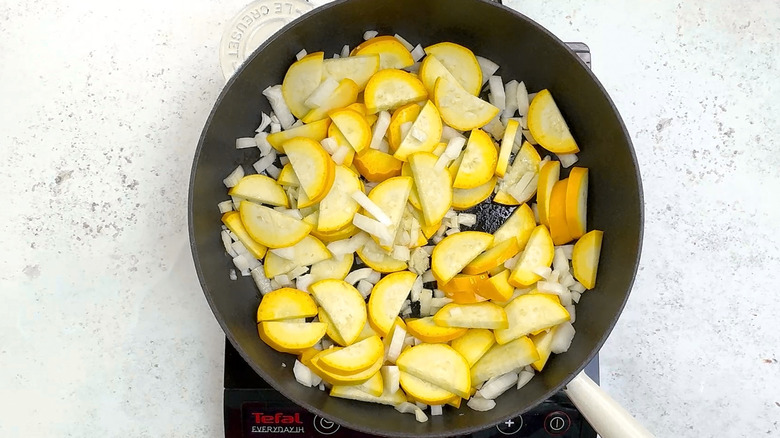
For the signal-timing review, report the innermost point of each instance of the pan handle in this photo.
(606, 416)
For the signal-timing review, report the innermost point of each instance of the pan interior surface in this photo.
(526, 52)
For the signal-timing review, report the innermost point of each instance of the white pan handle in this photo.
(607, 417)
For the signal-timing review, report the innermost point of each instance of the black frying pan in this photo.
(525, 51)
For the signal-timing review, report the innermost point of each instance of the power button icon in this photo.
(557, 423)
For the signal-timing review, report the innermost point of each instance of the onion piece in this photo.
(265, 122)
(321, 93)
(301, 54)
(524, 188)
(577, 287)
(524, 377)
(437, 293)
(448, 133)
(567, 250)
(568, 160)
(367, 35)
(403, 41)
(372, 227)
(245, 142)
(364, 288)
(371, 208)
(235, 176)
(510, 90)
(436, 410)
(496, 85)
(417, 287)
(420, 261)
(572, 313)
(417, 53)
(467, 219)
(384, 146)
(480, 404)
(543, 271)
(575, 297)
(345, 51)
(529, 137)
(225, 206)
(265, 161)
(341, 154)
(261, 140)
(488, 67)
(440, 301)
(228, 243)
(233, 275)
(567, 280)
(427, 276)
(298, 271)
(357, 275)
(560, 262)
(239, 247)
(282, 111)
(523, 100)
(273, 171)
(262, 282)
(283, 280)
(302, 374)
(396, 344)
(391, 376)
(426, 295)
(498, 385)
(342, 247)
(380, 129)
(451, 152)
(303, 282)
(561, 340)
(276, 127)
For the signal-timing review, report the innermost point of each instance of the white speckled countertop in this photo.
(104, 330)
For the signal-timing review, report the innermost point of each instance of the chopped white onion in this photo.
(523, 101)
(452, 231)
(322, 93)
(241, 262)
(567, 250)
(437, 293)
(405, 128)
(510, 264)
(380, 129)
(467, 219)
(391, 376)
(417, 287)
(372, 227)
(233, 275)
(239, 247)
(298, 271)
(373, 277)
(436, 410)
(276, 127)
(330, 145)
(292, 212)
(341, 154)
(345, 51)
(577, 287)
(357, 275)
(281, 110)
(364, 288)
(525, 188)
(542, 271)
(560, 262)
(529, 137)
(265, 161)
(511, 101)
(303, 282)
(414, 295)
(425, 302)
(265, 122)
(384, 146)
(367, 35)
(283, 280)
(261, 140)
(429, 249)
(302, 374)
(524, 377)
(535, 210)
(561, 340)
(496, 85)
(301, 54)
(451, 152)
(342, 247)
(480, 404)
(572, 313)
(245, 142)
(228, 243)
(262, 282)
(448, 133)
(417, 53)
(568, 160)
(273, 171)
(488, 67)
(414, 68)
(498, 385)
(575, 297)
(371, 208)
(427, 276)
(235, 176)
(396, 344)
(567, 280)
(421, 405)
(403, 41)
(440, 301)
(225, 206)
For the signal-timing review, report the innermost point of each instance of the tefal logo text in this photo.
(278, 418)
